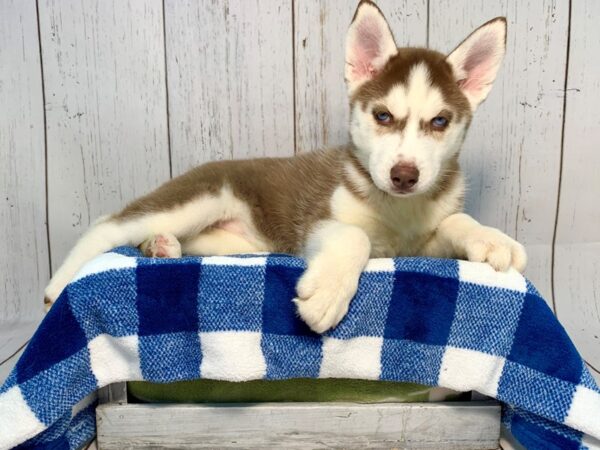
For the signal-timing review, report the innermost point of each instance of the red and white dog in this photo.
(395, 190)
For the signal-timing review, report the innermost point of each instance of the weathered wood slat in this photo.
(512, 153)
(300, 426)
(577, 252)
(320, 36)
(105, 108)
(113, 393)
(24, 266)
(230, 81)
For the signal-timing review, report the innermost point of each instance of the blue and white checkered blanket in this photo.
(448, 323)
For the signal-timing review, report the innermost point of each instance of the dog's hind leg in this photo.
(182, 221)
(101, 237)
(217, 242)
(163, 245)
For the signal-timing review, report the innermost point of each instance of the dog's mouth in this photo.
(403, 192)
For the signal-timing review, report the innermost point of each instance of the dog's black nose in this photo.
(404, 176)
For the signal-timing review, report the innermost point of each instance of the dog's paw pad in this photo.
(162, 246)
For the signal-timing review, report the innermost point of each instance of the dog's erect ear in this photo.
(369, 45)
(477, 59)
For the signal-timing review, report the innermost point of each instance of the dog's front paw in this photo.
(324, 295)
(486, 244)
(161, 246)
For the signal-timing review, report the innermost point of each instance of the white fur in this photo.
(459, 235)
(331, 279)
(395, 226)
(221, 242)
(416, 101)
(189, 219)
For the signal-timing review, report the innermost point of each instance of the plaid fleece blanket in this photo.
(449, 323)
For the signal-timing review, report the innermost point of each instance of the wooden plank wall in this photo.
(577, 250)
(106, 114)
(230, 80)
(24, 261)
(102, 100)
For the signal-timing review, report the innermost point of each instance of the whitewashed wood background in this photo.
(102, 100)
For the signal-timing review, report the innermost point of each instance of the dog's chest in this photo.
(393, 231)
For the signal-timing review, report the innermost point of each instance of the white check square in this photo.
(115, 358)
(351, 358)
(465, 370)
(13, 405)
(102, 263)
(380, 265)
(484, 274)
(232, 355)
(584, 412)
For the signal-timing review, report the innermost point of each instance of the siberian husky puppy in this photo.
(395, 190)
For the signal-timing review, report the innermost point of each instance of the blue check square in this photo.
(543, 344)
(535, 391)
(403, 360)
(486, 318)
(421, 308)
(292, 356)
(279, 311)
(107, 307)
(67, 339)
(167, 296)
(76, 370)
(369, 307)
(230, 298)
(170, 357)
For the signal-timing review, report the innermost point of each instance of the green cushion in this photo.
(293, 390)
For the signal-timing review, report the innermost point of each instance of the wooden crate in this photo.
(447, 426)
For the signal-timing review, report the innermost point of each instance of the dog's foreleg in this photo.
(461, 236)
(336, 253)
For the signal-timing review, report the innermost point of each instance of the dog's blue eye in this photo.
(383, 117)
(439, 122)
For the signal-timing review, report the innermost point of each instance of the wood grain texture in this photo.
(577, 252)
(512, 152)
(24, 266)
(300, 426)
(105, 109)
(230, 81)
(320, 35)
